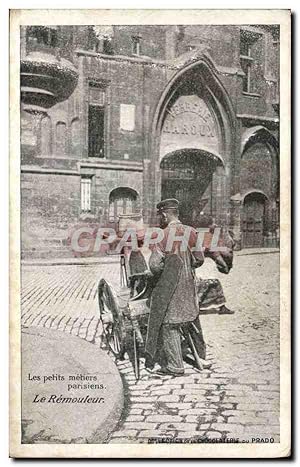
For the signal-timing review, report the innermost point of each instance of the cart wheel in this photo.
(111, 318)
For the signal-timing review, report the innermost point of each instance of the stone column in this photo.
(236, 208)
(219, 196)
(156, 190)
(171, 39)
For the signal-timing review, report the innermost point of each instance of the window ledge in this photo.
(123, 131)
(87, 215)
(247, 57)
(250, 94)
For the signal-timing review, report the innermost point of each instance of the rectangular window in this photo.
(108, 47)
(86, 183)
(96, 120)
(96, 131)
(247, 77)
(96, 94)
(245, 46)
(136, 45)
(248, 52)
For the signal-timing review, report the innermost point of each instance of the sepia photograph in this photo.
(153, 212)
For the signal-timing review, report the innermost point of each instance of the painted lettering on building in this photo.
(188, 123)
(189, 129)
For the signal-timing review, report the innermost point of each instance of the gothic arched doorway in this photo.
(194, 116)
(259, 185)
(189, 175)
(254, 220)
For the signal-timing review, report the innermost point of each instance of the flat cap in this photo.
(165, 204)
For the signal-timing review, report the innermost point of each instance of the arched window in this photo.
(122, 200)
(257, 171)
(46, 136)
(61, 138)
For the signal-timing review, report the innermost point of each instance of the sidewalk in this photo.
(237, 397)
(56, 405)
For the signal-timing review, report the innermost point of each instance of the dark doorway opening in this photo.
(187, 175)
(254, 219)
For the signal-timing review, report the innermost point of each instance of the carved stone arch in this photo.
(198, 78)
(258, 133)
(123, 200)
(124, 188)
(217, 95)
(260, 136)
(61, 138)
(260, 193)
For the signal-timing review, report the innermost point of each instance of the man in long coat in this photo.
(174, 304)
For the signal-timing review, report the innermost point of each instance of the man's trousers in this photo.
(174, 342)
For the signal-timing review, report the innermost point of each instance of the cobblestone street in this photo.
(237, 398)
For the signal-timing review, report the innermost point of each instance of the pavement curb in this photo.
(49, 351)
(259, 251)
(114, 259)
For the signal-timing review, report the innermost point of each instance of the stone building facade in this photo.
(115, 118)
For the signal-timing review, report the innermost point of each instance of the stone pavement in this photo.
(52, 381)
(237, 398)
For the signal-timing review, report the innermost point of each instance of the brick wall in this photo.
(50, 204)
(152, 40)
(51, 207)
(51, 201)
(141, 84)
(107, 180)
(257, 170)
(129, 83)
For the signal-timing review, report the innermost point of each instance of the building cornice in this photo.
(258, 118)
(119, 58)
(109, 164)
(153, 62)
(43, 170)
(132, 166)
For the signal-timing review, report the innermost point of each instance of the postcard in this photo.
(150, 233)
